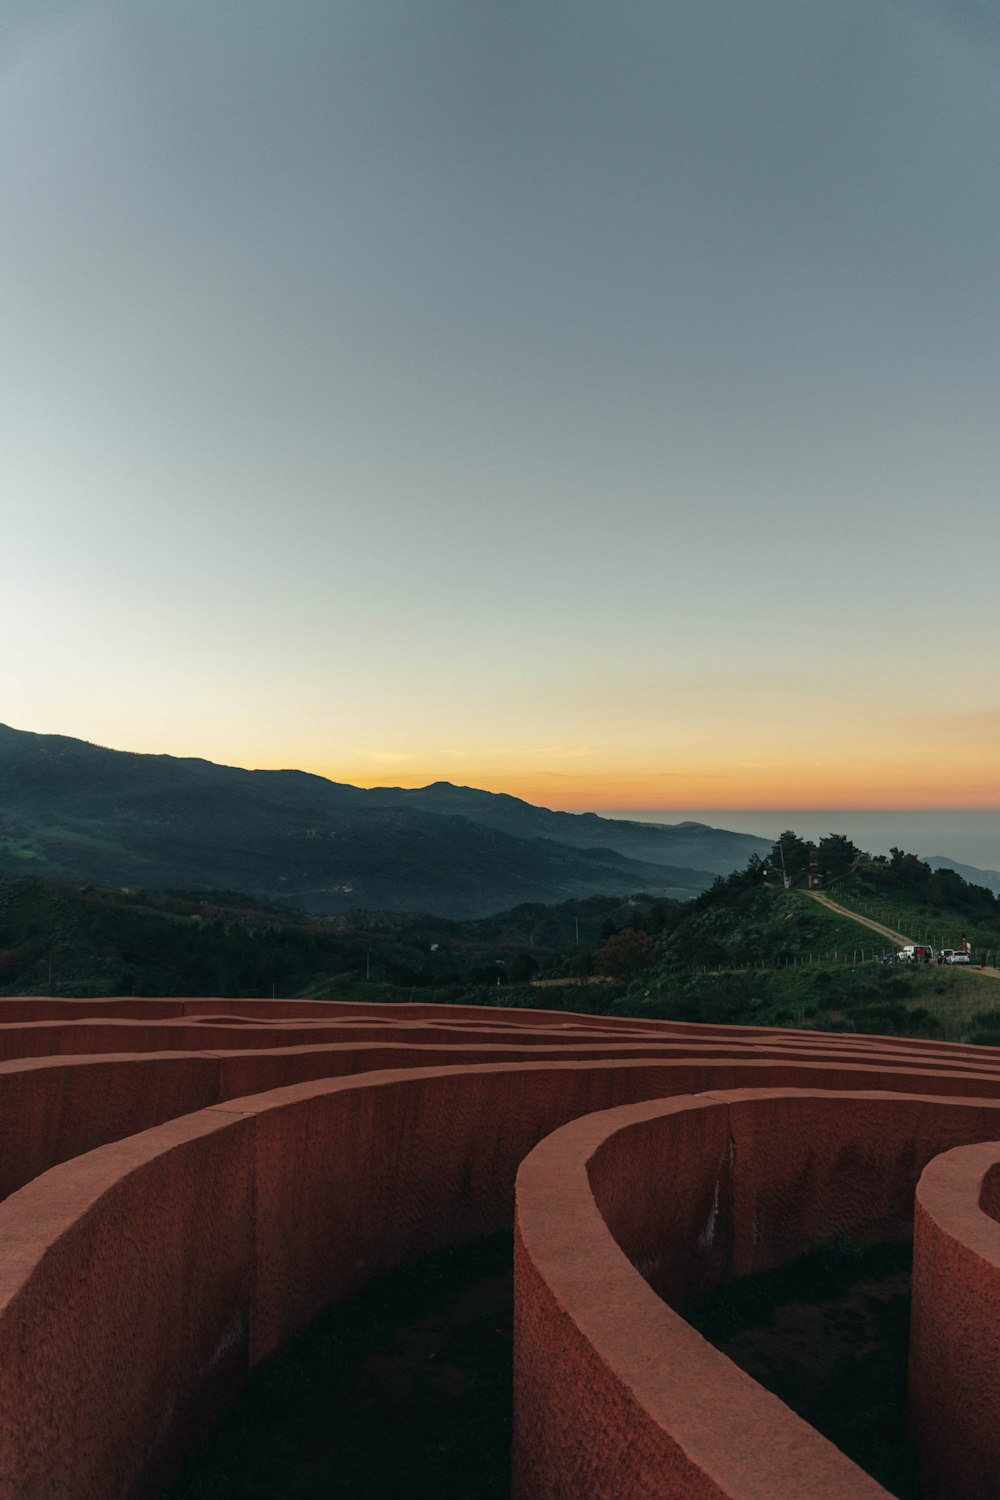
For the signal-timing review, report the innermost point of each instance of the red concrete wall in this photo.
(346, 1178)
(955, 1328)
(125, 1279)
(192, 1181)
(44, 1008)
(614, 1393)
(53, 1109)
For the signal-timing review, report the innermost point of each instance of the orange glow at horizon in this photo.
(719, 789)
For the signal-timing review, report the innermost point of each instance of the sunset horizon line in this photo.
(629, 791)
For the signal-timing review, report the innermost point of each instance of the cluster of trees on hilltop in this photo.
(833, 856)
(942, 888)
(793, 857)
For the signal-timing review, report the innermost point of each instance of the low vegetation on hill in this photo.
(750, 950)
(61, 939)
(753, 949)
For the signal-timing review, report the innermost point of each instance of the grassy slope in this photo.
(758, 955)
(919, 919)
(774, 957)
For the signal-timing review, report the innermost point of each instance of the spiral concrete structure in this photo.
(188, 1183)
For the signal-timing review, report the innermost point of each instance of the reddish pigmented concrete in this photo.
(614, 1393)
(955, 1329)
(349, 1177)
(56, 1109)
(124, 1295)
(192, 1181)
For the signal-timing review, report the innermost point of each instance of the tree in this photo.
(623, 953)
(836, 855)
(792, 855)
(522, 969)
(656, 919)
(908, 869)
(547, 933)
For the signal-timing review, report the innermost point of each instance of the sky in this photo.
(593, 402)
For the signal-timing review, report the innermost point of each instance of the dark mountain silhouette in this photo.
(692, 845)
(75, 811)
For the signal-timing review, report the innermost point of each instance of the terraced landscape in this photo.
(190, 1184)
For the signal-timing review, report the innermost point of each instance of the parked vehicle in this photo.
(915, 953)
(956, 956)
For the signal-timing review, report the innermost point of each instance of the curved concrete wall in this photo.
(626, 1218)
(192, 1181)
(54, 1109)
(328, 1184)
(955, 1328)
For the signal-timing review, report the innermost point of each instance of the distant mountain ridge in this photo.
(76, 811)
(692, 845)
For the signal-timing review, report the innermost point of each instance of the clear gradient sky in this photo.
(593, 401)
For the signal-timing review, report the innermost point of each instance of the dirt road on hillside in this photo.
(890, 932)
(843, 911)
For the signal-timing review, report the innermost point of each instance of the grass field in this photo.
(920, 922)
(777, 958)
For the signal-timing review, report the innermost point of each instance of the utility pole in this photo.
(784, 872)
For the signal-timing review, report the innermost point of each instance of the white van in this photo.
(915, 953)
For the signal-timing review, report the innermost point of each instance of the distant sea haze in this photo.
(971, 837)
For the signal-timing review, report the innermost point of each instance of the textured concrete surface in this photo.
(627, 1217)
(187, 1183)
(955, 1328)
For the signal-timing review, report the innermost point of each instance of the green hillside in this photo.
(747, 951)
(751, 950)
(62, 939)
(939, 909)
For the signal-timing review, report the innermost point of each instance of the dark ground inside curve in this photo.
(829, 1335)
(406, 1388)
(403, 1390)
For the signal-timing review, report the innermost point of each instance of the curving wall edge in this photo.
(140, 1282)
(625, 1218)
(189, 1197)
(954, 1342)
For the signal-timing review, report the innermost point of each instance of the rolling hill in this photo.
(75, 811)
(690, 845)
